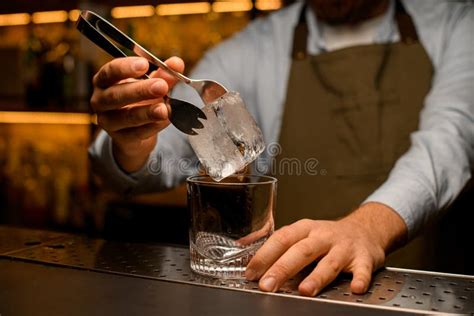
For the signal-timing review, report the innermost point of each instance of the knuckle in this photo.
(304, 222)
(305, 249)
(131, 116)
(333, 265)
(282, 237)
(347, 245)
(144, 89)
(149, 112)
(95, 79)
(102, 75)
(94, 102)
(280, 271)
(113, 96)
(329, 234)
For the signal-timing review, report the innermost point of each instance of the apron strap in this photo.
(406, 28)
(300, 37)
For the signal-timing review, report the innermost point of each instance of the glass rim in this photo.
(206, 179)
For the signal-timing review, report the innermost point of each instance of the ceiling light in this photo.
(49, 17)
(74, 15)
(232, 6)
(264, 5)
(14, 19)
(138, 11)
(183, 8)
(45, 118)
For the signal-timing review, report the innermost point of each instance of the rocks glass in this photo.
(230, 220)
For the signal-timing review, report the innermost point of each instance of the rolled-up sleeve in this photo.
(439, 163)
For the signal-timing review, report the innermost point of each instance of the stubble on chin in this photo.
(336, 12)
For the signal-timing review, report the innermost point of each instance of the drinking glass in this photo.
(230, 220)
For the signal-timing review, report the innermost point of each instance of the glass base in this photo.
(230, 269)
(220, 256)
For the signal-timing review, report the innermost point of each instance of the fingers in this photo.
(119, 69)
(128, 108)
(175, 63)
(325, 272)
(275, 246)
(343, 246)
(123, 94)
(296, 258)
(362, 274)
(110, 95)
(132, 116)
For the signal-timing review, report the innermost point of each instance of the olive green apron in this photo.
(347, 119)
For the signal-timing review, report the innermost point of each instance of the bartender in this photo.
(379, 92)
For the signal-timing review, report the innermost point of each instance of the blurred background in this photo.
(45, 120)
(45, 123)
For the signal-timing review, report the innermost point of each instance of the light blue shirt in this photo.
(256, 62)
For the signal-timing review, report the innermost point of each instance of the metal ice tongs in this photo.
(185, 116)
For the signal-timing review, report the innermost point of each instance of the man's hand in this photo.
(132, 111)
(356, 244)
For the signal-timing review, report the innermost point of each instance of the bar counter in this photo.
(49, 273)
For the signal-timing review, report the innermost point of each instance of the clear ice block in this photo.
(230, 139)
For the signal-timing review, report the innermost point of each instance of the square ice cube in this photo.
(230, 139)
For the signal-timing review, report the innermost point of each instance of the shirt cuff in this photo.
(409, 198)
(105, 165)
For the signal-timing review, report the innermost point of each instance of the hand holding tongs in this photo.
(184, 115)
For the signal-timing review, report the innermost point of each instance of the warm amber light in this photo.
(138, 11)
(264, 5)
(49, 17)
(14, 19)
(45, 118)
(74, 15)
(232, 6)
(183, 8)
